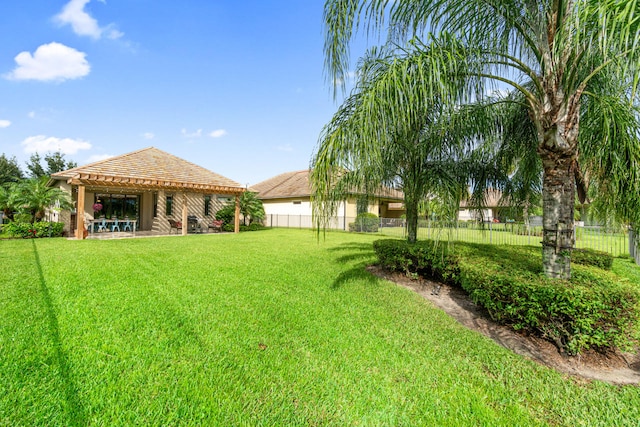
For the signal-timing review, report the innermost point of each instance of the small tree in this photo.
(9, 170)
(55, 163)
(34, 166)
(5, 205)
(251, 207)
(33, 196)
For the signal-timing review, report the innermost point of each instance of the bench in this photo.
(216, 225)
(174, 225)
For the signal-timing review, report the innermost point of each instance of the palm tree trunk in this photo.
(558, 192)
(412, 219)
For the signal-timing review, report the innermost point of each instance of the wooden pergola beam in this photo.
(144, 184)
(80, 213)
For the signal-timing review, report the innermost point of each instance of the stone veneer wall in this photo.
(195, 207)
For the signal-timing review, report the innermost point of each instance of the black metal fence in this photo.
(617, 241)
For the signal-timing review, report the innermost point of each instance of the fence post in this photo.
(633, 245)
(490, 230)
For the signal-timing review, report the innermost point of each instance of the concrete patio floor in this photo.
(109, 235)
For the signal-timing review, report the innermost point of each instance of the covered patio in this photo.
(146, 192)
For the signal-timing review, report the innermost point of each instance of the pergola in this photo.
(148, 169)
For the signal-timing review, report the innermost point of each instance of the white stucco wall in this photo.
(467, 214)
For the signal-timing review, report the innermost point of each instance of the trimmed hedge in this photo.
(592, 257)
(593, 310)
(423, 258)
(254, 226)
(36, 230)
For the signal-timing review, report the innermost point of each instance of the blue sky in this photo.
(235, 86)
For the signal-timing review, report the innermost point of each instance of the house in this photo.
(493, 204)
(148, 187)
(287, 202)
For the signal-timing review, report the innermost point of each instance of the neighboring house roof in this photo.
(150, 168)
(492, 199)
(296, 184)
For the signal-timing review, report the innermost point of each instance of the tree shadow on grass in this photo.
(75, 409)
(361, 252)
(358, 272)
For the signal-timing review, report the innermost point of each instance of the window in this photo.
(169, 207)
(116, 205)
(207, 205)
(155, 205)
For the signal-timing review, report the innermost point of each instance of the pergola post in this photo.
(80, 213)
(185, 219)
(236, 225)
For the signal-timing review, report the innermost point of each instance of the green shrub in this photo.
(36, 230)
(592, 257)
(254, 226)
(586, 312)
(423, 258)
(23, 218)
(227, 214)
(593, 310)
(365, 223)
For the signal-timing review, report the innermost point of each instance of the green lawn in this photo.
(265, 328)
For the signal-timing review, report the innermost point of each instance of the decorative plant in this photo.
(97, 207)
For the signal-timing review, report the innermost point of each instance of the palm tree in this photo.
(34, 196)
(5, 206)
(251, 207)
(569, 51)
(387, 133)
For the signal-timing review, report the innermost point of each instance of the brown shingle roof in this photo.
(296, 184)
(290, 184)
(492, 199)
(150, 168)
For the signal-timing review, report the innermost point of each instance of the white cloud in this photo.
(285, 147)
(50, 62)
(148, 135)
(113, 33)
(98, 157)
(196, 134)
(218, 133)
(5, 123)
(82, 23)
(31, 114)
(42, 144)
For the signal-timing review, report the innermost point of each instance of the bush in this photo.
(229, 227)
(36, 230)
(592, 257)
(254, 226)
(593, 310)
(583, 313)
(365, 222)
(23, 218)
(423, 258)
(226, 214)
